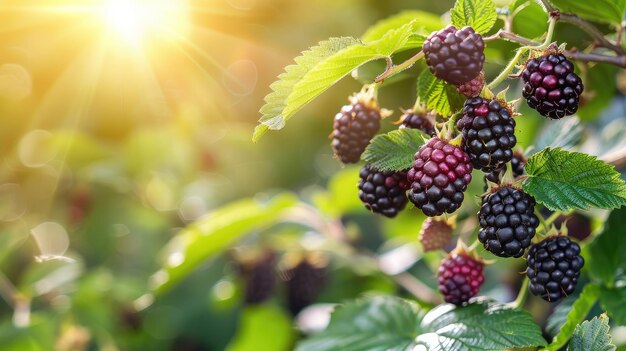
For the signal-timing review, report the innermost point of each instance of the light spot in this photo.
(15, 82)
(51, 238)
(240, 78)
(35, 149)
(12, 202)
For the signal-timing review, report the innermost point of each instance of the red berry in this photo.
(435, 234)
(460, 277)
(473, 87)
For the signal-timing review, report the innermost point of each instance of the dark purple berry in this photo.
(353, 129)
(507, 222)
(553, 267)
(439, 176)
(460, 277)
(259, 277)
(456, 56)
(551, 87)
(488, 133)
(420, 121)
(383, 192)
(305, 282)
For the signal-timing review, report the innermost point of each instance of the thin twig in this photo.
(591, 30)
(416, 288)
(592, 57)
(391, 70)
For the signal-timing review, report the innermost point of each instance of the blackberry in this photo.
(455, 55)
(553, 267)
(383, 192)
(488, 133)
(435, 234)
(578, 226)
(305, 280)
(420, 121)
(551, 87)
(259, 277)
(517, 166)
(354, 126)
(460, 277)
(507, 222)
(439, 176)
(473, 87)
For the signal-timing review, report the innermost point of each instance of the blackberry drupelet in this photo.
(507, 221)
(473, 87)
(354, 126)
(460, 277)
(383, 192)
(455, 55)
(551, 87)
(553, 267)
(435, 234)
(420, 121)
(439, 176)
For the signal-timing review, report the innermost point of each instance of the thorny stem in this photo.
(395, 69)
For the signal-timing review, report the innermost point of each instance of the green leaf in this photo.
(564, 180)
(607, 253)
(613, 300)
(426, 21)
(342, 195)
(374, 323)
(530, 20)
(216, 232)
(581, 308)
(600, 83)
(480, 326)
(558, 318)
(275, 102)
(255, 333)
(394, 150)
(438, 95)
(610, 11)
(564, 133)
(478, 14)
(593, 335)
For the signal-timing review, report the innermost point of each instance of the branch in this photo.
(591, 30)
(619, 61)
(392, 70)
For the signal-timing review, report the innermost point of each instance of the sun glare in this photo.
(134, 21)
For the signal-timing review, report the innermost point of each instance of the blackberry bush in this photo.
(383, 192)
(553, 267)
(439, 177)
(507, 222)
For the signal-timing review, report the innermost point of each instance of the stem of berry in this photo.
(395, 69)
(508, 69)
(544, 224)
(521, 296)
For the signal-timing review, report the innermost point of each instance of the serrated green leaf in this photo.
(607, 253)
(613, 300)
(564, 133)
(212, 234)
(564, 180)
(427, 22)
(478, 14)
(593, 335)
(480, 326)
(438, 95)
(275, 102)
(581, 308)
(611, 11)
(374, 323)
(394, 150)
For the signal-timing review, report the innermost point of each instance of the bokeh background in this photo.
(124, 121)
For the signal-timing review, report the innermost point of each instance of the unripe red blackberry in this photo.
(383, 192)
(517, 166)
(305, 281)
(354, 126)
(460, 277)
(420, 121)
(488, 133)
(435, 234)
(439, 176)
(507, 221)
(551, 87)
(473, 87)
(553, 267)
(455, 55)
(259, 277)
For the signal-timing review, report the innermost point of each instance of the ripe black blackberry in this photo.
(354, 126)
(439, 176)
(455, 55)
(473, 87)
(553, 267)
(420, 121)
(551, 87)
(435, 234)
(259, 276)
(507, 221)
(517, 166)
(488, 133)
(460, 277)
(305, 281)
(383, 192)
